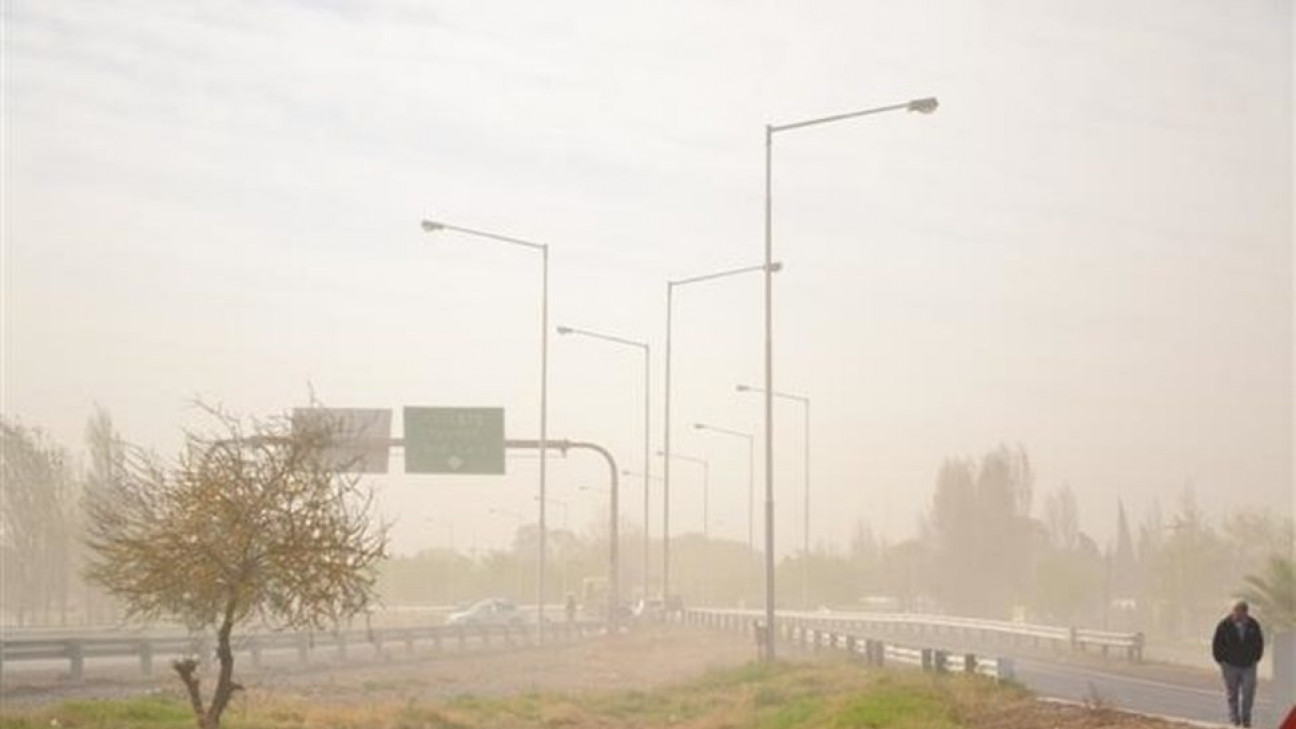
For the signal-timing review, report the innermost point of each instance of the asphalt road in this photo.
(1201, 703)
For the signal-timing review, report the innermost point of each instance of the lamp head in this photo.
(744, 388)
(776, 266)
(699, 426)
(924, 106)
(564, 330)
(431, 226)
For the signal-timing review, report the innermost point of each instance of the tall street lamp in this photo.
(706, 488)
(647, 415)
(706, 511)
(561, 503)
(518, 521)
(448, 526)
(647, 535)
(805, 525)
(751, 471)
(431, 226)
(454, 554)
(770, 268)
(922, 106)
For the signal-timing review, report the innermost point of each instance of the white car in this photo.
(653, 608)
(493, 611)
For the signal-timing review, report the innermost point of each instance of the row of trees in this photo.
(983, 548)
(986, 547)
(42, 490)
(711, 571)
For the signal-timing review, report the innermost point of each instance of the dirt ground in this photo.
(632, 661)
(640, 661)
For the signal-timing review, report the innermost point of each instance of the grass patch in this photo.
(821, 695)
(158, 712)
(895, 706)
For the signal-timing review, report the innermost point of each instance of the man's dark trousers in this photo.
(1240, 685)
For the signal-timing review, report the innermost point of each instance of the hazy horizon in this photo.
(1086, 251)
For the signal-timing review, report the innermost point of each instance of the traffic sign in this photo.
(454, 440)
(360, 438)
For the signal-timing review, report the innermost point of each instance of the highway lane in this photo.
(1196, 702)
(1193, 695)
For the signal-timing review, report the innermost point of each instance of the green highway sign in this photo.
(454, 440)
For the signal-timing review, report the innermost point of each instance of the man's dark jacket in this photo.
(1229, 648)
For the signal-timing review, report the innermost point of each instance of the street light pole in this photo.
(647, 421)
(454, 555)
(647, 552)
(706, 513)
(706, 488)
(924, 106)
(561, 503)
(770, 268)
(805, 525)
(518, 521)
(751, 471)
(431, 226)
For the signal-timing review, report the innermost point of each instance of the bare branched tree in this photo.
(255, 523)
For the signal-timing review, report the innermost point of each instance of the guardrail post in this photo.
(1004, 669)
(1136, 648)
(940, 661)
(146, 657)
(928, 662)
(969, 663)
(850, 646)
(1073, 639)
(76, 657)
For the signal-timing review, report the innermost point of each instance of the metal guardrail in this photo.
(76, 651)
(813, 637)
(1000, 632)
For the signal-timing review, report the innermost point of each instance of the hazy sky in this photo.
(1087, 250)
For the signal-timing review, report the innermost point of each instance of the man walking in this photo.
(1238, 647)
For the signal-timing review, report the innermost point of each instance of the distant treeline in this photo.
(984, 548)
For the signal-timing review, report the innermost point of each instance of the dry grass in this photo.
(821, 695)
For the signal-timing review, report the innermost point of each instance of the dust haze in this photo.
(1043, 335)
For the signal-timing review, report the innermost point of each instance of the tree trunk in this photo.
(187, 669)
(225, 686)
